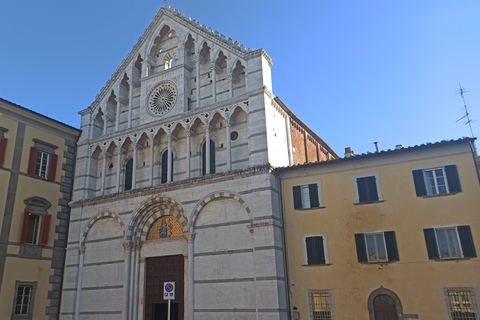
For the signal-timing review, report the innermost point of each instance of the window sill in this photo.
(451, 259)
(307, 209)
(316, 265)
(440, 195)
(378, 262)
(368, 202)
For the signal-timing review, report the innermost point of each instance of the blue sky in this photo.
(355, 71)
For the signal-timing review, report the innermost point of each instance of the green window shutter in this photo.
(419, 182)
(391, 243)
(452, 178)
(297, 197)
(313, 190)
(361, 248)
(431, 242)
(466, 240)
(315, 251)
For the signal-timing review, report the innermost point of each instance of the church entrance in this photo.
(158, 271)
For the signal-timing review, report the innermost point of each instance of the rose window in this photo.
(162, 99)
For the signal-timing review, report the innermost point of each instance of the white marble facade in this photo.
(182, 90)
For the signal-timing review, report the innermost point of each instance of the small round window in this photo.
(234, 135)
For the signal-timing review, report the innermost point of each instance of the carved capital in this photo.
(229, 78)
(81, 250)
(105, 117)
(189, 236)
(213, 65)
(196, 58)
(188, 133)
(128, 245)
(227, 122)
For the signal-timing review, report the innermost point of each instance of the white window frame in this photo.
(446, 227)
(305, 185)
(331, 303)
(375, 174)
(31, 300)
(435, 181)
(39, 172)
(473, 294)
(325, 248)
(376, 246)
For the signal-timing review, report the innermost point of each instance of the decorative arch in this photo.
(98, 216)
(149, 211)
(212, 197)
(390, 293)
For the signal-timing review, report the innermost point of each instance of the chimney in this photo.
(348, 152)
(398, 146)
(376, 146)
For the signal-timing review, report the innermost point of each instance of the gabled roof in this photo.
(180, 17)
(425, 146)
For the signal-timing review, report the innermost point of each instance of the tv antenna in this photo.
(462, 92)
(166, 2)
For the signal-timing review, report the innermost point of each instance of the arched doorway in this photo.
(384, 308)
(384, 304)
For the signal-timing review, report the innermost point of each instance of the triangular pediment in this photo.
(175, 19)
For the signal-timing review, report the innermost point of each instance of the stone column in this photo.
(207, 149)
(230, 84)
(87, 177)
(134, 281)
(214, 82)
(104, 168)
(117, 115)
(197, 63)
(169, 158)
(81, 258)
(119, 168)
(188, 133)
(130, 103)
(134, 168)
(229, 147)
(152, 160)
(127, 246)
(191, 274)
(105, 123)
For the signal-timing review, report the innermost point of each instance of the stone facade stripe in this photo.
(223, 224)
(216, 253)
(225, 280)
(102, 263)
(104, 239)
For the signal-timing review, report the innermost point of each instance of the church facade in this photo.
(173, 182)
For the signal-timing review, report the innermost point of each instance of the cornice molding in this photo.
(219, 177)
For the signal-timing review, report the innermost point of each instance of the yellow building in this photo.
(385, 235)
(37, 157)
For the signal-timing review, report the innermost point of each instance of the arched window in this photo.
(165, 167)
(128, 174)
(212, 158)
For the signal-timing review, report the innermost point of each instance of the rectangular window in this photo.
(380, 246)
(315, 250)
(41, 164)
(34, 227)
(306, 196)
(453, 242)
(367, 187)
(321, 305)
(436, 180)
(23, 300)
(461, 303)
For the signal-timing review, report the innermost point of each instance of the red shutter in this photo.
(3, 148)
(32, 162)
(52, 170)
(23, 236)
(45, 229)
